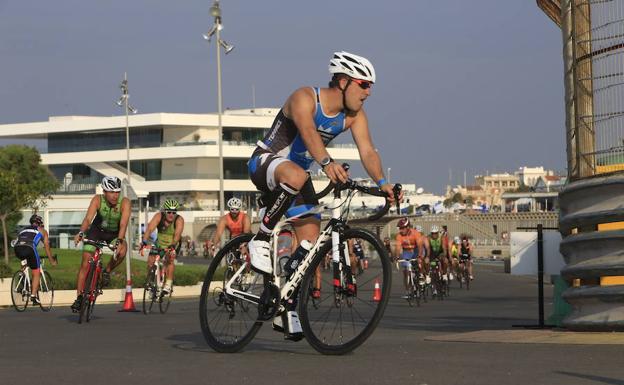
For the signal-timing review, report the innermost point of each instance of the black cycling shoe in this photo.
(106, 278)
(34, 300)
(76, 305)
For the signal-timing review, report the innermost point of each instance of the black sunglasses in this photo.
(362, 83)
(170, 212)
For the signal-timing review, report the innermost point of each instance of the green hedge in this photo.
(64, 274)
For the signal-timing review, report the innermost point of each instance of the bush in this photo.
(5, 270)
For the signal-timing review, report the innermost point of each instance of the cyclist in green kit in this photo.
(106, 220)
(170, 226)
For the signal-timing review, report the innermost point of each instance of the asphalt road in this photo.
(124, 348)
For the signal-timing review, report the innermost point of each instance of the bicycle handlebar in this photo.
(98, 244)
(375, 191)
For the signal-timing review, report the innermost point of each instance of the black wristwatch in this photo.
(325, 161)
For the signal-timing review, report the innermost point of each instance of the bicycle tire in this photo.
(46, 292)
(85, 303)
(370, 300)
(165, 300)
(240, 326)
(149, 291)
(20, 295)
(96, 292)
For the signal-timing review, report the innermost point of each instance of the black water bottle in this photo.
(296, 257)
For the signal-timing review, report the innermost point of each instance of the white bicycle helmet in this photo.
(355, 66)
(418, 228)
(111, 183)
(435, 229)
(234, 203)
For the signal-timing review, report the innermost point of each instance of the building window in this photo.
(114, 139)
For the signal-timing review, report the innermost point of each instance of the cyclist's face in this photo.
(112, 197)
(404, 230)
(434, 235)
(234, 212)
(355, 94)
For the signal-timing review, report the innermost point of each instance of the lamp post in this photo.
(123, 102)
(215, 12)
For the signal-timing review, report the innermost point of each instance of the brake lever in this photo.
(396, 190)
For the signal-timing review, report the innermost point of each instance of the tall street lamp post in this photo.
(123, 102)
(215, 11)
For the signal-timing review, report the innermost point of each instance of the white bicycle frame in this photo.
(27, 272)
(295, 279)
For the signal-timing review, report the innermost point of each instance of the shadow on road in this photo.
(603, 380)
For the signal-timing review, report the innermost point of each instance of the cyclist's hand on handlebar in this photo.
(118, 243)
(336, 172)
(78, 238)
(53, 260)
(388, 189)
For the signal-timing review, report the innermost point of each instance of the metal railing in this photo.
(593, 33)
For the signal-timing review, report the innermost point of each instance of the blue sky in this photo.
(469, 86)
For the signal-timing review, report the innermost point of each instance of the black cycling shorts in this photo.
(28, 253)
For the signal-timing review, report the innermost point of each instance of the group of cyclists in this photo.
(279, 167)
(415, 249)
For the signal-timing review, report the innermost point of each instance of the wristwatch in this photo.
(325, 161)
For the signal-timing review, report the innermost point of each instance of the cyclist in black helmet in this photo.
(26, 248)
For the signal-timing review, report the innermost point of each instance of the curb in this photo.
(109, 296)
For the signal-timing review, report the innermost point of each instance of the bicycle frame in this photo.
(331, 231)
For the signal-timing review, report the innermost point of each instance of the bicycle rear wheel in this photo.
(227, 322)
(20, 291)
(149, 291)
(46, 292)
(342, 319)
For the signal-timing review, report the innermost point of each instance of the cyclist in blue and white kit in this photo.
(26, 248)
(309, 119)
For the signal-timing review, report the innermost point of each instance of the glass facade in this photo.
(83, 178)
(113, 139)
(235, 169)
(148, 169)
(242, 134)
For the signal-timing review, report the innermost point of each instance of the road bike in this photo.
(93, 281)
(464, 276)
(21, 285)
(156, 278)
(232, 309)
(416, 286)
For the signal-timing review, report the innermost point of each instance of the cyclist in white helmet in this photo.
(106, 220)
(310, 118)
(235, 221)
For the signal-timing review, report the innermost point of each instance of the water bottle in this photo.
(296, 257)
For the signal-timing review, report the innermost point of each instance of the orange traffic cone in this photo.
(128, 305)
(377, 292)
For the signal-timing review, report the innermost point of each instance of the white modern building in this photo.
(172, 156)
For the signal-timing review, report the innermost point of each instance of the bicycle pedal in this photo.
(293, 336)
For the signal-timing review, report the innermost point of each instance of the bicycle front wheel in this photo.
(46, 292)
(343, 318)
(165, 299)
(229, 322)
(85, 305)
(149, 291)
(20, 291)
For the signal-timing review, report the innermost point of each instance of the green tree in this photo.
(456, 198)
(24, 183)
